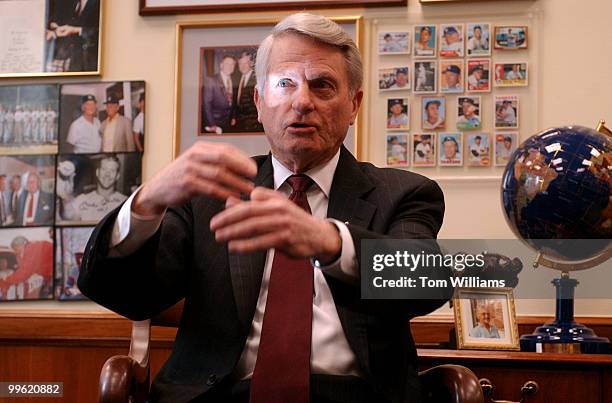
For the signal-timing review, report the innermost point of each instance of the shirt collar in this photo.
(322, 175)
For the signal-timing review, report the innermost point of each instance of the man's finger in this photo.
(248, 228)
(245, 210)
(224, 178)
(261, 193)
(212, 189)
(263, 242)
(226, 155)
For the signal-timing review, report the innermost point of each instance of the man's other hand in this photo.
(210, 169)
(270, 220)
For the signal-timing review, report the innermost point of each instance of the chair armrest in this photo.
(451, 383)
(124, 378)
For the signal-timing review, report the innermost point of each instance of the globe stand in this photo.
(564, 334)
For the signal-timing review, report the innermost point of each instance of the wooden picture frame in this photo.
(47, 38)
(474, 307)
(191, 38)
(165, 7)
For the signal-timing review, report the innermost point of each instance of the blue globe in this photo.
(556, 187)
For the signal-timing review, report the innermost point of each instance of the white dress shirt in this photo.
(330, 351)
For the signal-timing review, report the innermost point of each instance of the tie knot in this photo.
(299, 183)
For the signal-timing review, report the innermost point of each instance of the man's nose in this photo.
(302, 101)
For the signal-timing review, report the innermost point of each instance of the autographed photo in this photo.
(70, 245)
(91, 186)
(227, 83)
(102, 117)
(26, 264)
(28, 119)
(26, 190)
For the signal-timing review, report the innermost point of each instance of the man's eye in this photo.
(284, 82)
(322, 84)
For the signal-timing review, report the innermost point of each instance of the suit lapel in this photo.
(346, 201)
(247, 270)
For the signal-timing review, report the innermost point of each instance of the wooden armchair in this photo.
(126, 378)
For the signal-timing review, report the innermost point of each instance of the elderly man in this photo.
(244, 113)
(116, 129)
(269, 269)
(219, 97)
(84, 132)
(35, 206)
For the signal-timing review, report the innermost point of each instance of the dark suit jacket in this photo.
(245, 111)
(183, 260)
(216, 108)
(44, 211)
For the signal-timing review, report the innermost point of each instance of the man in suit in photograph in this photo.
(35, 206)
(244, 114)
(266, 251)
(116, 129)
(219, 97)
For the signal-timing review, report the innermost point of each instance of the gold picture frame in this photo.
(195, 35)
(48, 48)
(485, 319)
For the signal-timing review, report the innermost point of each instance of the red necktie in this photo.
(282, 369)
(30, 209)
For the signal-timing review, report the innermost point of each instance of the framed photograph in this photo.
(88, 109)
(397, 150)
(433, 113)
(28, 119)
(26, 264)
(227, 84)
(89, 186)
(451, 76)
(398, 113)
(478, 39)
(423, 149)
(511, 74)
(70, 245)
(451, 40)
(485, 319)
(425, 40)
(50, 38)
(511, 38)
(27, 183)
(479, 75)
(394, 43)
(164, 7)
(506, 112)
(451, 149)
(201, 48)
(505, 144)
(468, 113)
(425, 76)
(478, 150)
(394, 78)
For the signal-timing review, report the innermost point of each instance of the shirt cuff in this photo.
(132, 230)
(345, 268)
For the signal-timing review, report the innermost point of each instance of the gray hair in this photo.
(320, 29)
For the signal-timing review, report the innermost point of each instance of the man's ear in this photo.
(356, 103)
(257, 98)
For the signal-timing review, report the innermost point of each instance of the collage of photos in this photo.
(61, 172)
(459, 75)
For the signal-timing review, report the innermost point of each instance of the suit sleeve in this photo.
(418, 215)
(151, 279)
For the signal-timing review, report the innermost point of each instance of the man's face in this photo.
(400, 79)
(244, 64)
(89, 108)
(227, 66)
(515, 68)
(449, 149)
(507, 144)
(451, 78)
(433, 112)
(396, 109)
(112, 109)
(477, 74)
(468, 109)
(108, 173)
(306, 108)
(452, 37)
(477, 33)
(485, 318)
(33, 183)
(477, 141)
(425, 36)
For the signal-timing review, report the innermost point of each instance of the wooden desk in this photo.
(562, 378)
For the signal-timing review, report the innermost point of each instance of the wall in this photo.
(574, 46)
